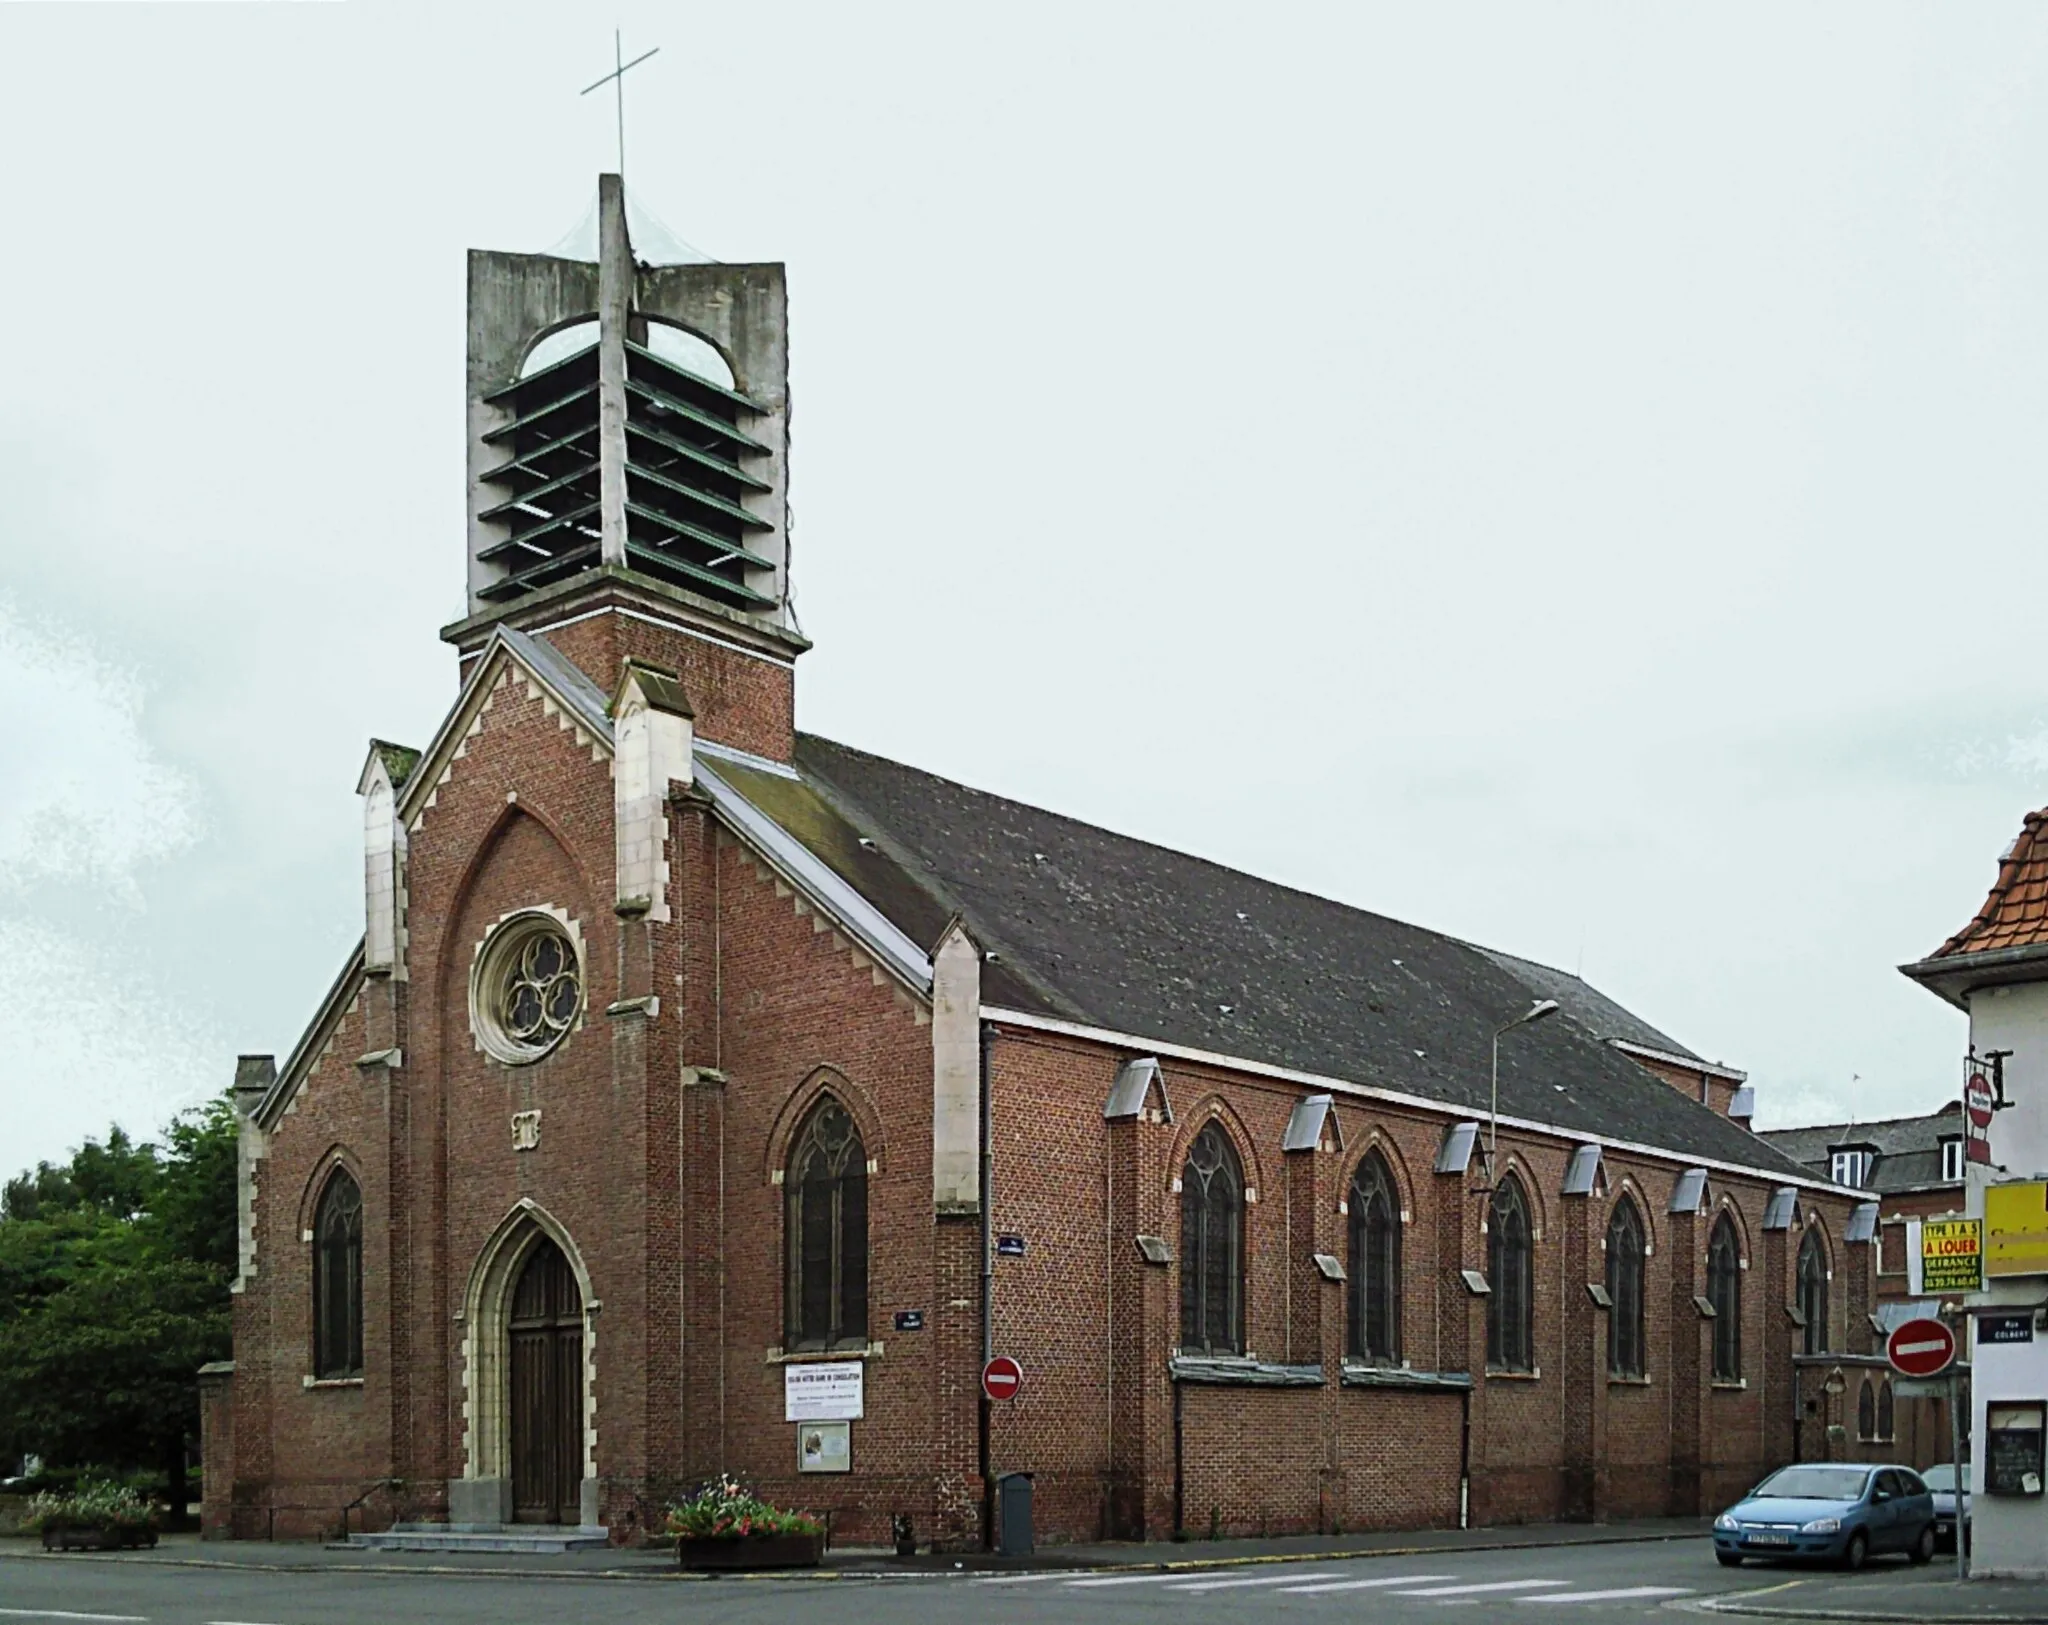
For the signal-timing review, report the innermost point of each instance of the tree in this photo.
(114, 1273)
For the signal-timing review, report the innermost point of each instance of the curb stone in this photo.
(1167, 1566)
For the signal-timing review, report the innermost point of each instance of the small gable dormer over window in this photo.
(1952, 1162)
(1851, 1164)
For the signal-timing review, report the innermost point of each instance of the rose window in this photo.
(526, 993)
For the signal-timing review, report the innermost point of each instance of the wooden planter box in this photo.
(710, 1552)
(81, 1537)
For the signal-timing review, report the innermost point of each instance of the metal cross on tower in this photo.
(618, 77)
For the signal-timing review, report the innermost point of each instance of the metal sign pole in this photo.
(1955, 1455)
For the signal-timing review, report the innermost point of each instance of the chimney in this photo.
(1742, 1104)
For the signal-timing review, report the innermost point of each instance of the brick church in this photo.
(706, 1096)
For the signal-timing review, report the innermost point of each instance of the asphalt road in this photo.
(1658, 1580)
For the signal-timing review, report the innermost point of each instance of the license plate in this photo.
(1765, 1538)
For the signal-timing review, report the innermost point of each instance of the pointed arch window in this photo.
(1866, 1411)
(1375, 1320)
(1212, 1246)
(825, 1188)
(338, 1279)
(1625, 1290)
(1724, 1292)
(1813, 1294)
(1886, 1415)
(1510, 1273)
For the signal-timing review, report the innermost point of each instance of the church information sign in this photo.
(1952, 1255)
(822, 1391)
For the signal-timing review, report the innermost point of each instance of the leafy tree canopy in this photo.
(114, 1273)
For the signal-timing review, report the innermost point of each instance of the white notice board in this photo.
(822, 1391)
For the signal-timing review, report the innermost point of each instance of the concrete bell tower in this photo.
(628, 471)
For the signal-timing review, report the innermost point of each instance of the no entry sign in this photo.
(1002, 1377)
(1920, 1348)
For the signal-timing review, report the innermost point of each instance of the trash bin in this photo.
(1013, 1514)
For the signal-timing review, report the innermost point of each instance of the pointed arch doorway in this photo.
(546, 1396)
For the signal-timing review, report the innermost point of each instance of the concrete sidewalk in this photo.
(657, 1562)
(1912, 1596)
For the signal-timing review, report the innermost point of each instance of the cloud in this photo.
(92, 1043)
(83, 801)
(86, 808)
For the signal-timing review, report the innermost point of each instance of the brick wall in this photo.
(666, 1119)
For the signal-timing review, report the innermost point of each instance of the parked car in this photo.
(1941, 1481)
(1843, 1511)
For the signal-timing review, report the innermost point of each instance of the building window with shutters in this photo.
(1724, 1293)
(1212, 1246)
(1510, 1274)
(825, 1191)
(1625, 1291)
(1813, 1294)
(338, 1279)
(1375, 1319)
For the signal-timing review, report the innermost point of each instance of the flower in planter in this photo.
(91, 1504)
(725, 1509)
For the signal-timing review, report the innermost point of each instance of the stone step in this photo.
(442, 1537)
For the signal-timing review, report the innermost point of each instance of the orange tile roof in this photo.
(2015, 915)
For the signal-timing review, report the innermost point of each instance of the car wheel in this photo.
(1729, 1560)
(1923, 1548)
(1856, 1551)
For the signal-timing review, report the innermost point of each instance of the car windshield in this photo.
(1816, 1483)
(1942, 1478)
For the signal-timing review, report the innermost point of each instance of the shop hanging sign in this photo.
(1979, 1103)
(1952, 1255)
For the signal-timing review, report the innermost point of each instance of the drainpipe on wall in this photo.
(1465, 1458)
(988, 1289)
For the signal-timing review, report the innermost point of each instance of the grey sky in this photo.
(1564, 475)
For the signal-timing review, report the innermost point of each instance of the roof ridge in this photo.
(2021, 852)
(1176, 852)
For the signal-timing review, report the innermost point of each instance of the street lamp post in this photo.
(1535, 1012)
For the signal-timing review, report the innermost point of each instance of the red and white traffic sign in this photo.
(1920, 1348)
(1002, 1377)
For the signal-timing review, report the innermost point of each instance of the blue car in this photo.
(1833, 1510)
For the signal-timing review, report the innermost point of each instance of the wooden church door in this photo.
(547, 1391)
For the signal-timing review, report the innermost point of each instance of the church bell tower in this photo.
(628, 471)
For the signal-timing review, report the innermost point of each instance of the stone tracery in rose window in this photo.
(542, 991)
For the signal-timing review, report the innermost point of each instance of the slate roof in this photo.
(2015, 914)
(1587, 1005)
(1908, 1148)
(1112, 932)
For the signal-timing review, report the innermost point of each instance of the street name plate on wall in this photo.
(822, 1391)
(1951, 1255)
(910, 1320)
(2006, 1328)
(1009, 1246)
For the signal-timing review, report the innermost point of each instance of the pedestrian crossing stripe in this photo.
(1366, 1585)
(1623, 1594)
(1249, 1580)
(1489, 1585)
